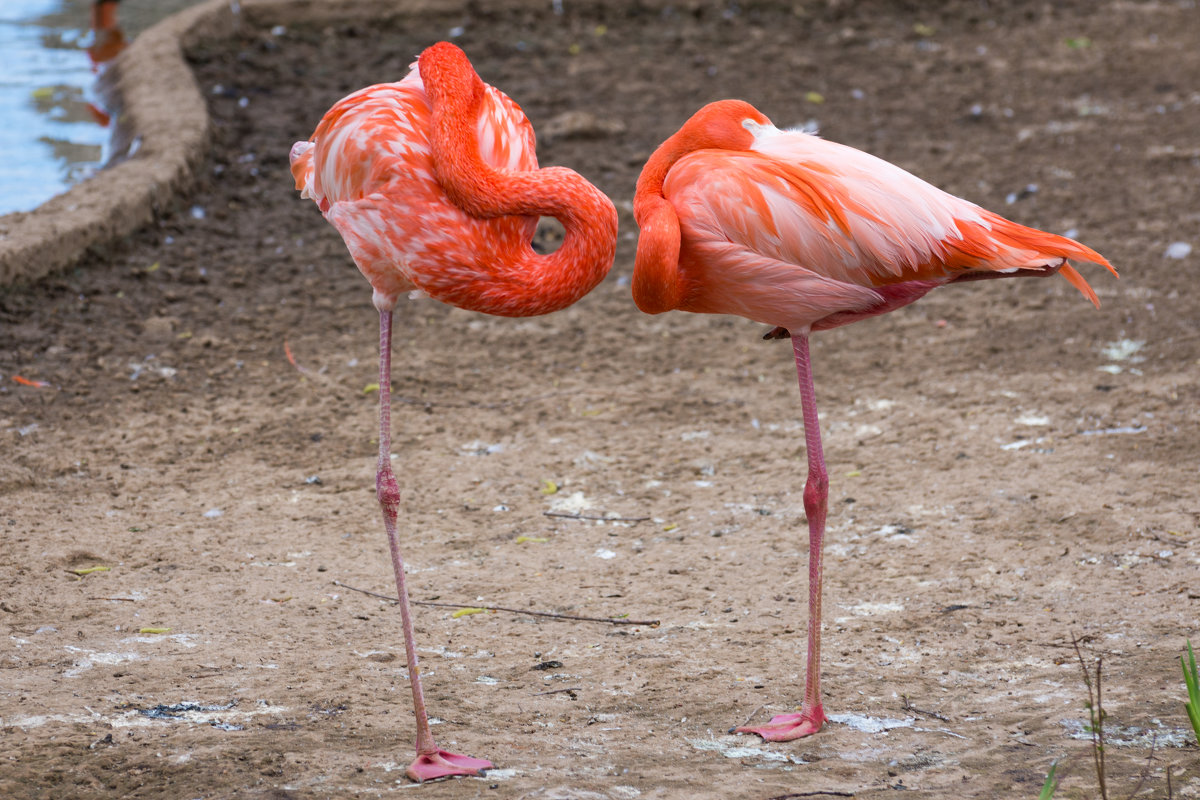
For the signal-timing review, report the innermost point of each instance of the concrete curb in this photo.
(171, 138)
(164, 113)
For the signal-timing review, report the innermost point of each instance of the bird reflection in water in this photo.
(107, 40)
(72, 102)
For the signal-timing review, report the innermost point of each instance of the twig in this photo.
(520, 401)
(416, 401)
(123, 599)
(563, 515)
(1095, 709)
(571, 691)
(909, 707)
(811, 794)
(1113, 653)
(752, 715)
(649, 623)
(1146, 769)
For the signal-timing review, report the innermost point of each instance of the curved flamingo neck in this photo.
(720, 125)
(654, 173)
(526, 283)
(657, 284)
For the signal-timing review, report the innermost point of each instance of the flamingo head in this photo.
(658, 285)
(723, 125)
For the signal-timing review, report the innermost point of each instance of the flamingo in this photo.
(433, 184)
(784, 228)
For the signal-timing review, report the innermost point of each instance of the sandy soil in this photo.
(1010, 467)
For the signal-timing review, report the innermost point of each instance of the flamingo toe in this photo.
(444, 764)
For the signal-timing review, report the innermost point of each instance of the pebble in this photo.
(1178, 250)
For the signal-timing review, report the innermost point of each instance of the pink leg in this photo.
(430, 762)
(785, 727)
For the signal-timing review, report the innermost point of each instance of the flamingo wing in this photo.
(726, 277)
(844, 216)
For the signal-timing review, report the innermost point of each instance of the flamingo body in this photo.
(789, 229)
(782, 227)
(370, 167)
(433, 184)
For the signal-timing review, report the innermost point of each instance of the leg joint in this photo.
(387, 490)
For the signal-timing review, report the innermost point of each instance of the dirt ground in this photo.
(1009, 466)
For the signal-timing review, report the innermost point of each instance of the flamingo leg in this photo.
(431, 762)
(785, 727)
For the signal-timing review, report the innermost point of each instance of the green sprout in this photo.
(1192, 679)
(1049, 787)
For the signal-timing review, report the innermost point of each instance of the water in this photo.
(54, 132)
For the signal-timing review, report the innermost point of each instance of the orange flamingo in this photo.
(784, 228)
(434, 185)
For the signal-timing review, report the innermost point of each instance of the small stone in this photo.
(1178, 250)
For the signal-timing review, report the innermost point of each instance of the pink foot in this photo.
(785, 727)
(444, 764)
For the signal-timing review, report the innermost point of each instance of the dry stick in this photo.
(1073, 645)
(572, 690)
(1146, 770)
(909, 707)
(649, 623)
(563, 515)
(811, 794)
(752, 715)
(520, 401)
(1095, 708)
(416, 401)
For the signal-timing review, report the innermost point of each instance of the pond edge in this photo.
(163, 110)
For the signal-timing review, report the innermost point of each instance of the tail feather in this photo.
(1069, 248)
(1072, 275)
(1051, 245)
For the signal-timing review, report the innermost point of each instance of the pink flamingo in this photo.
(434, 186)
(785, 228)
